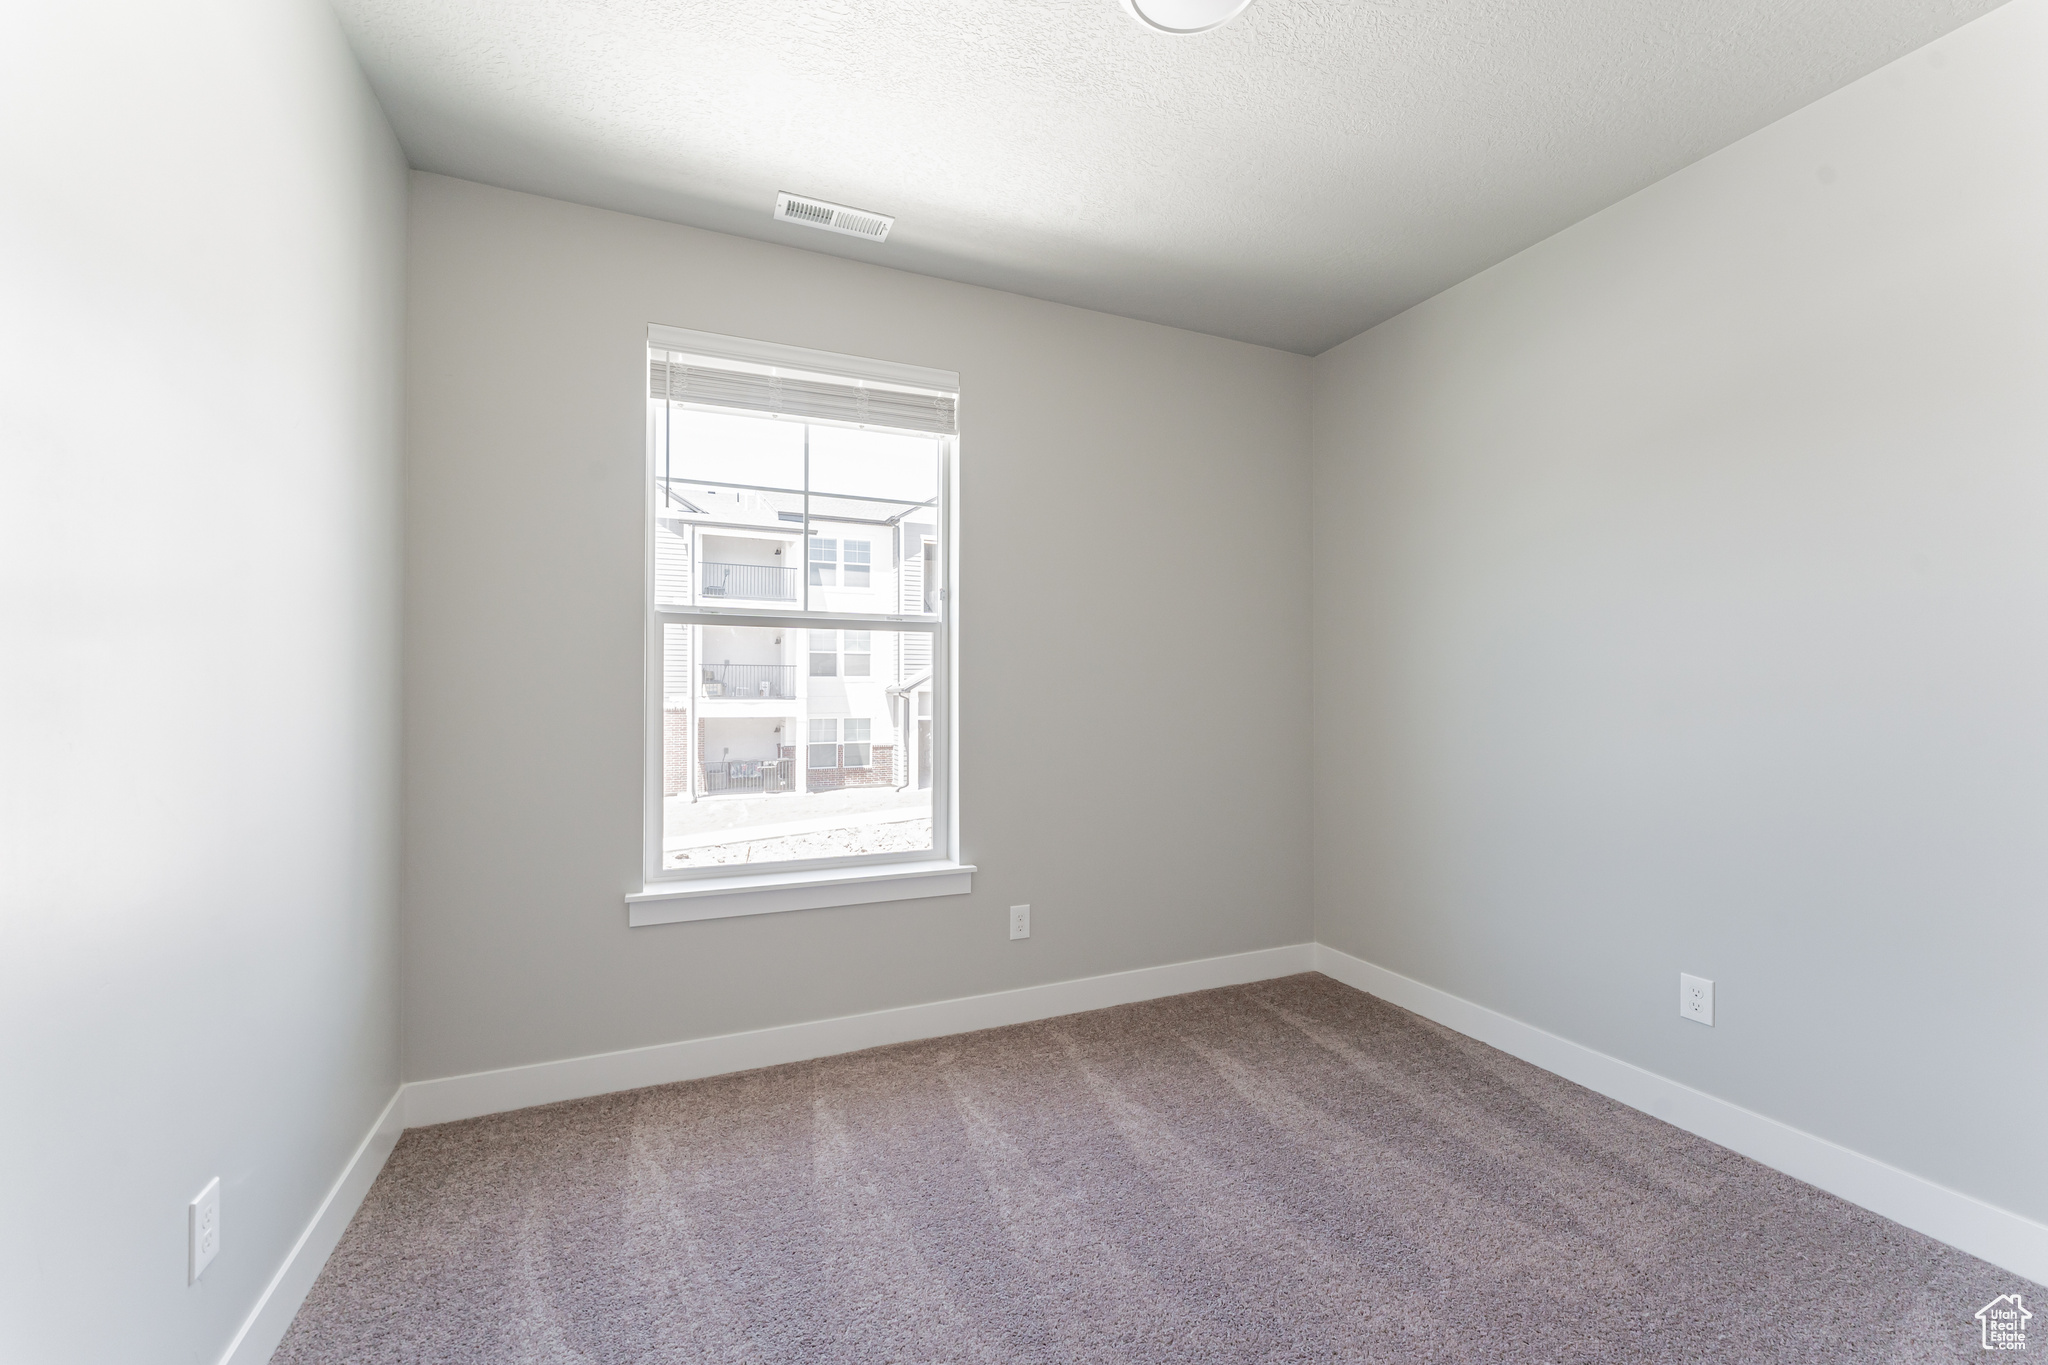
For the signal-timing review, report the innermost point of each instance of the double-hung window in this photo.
(824, 653)
(824, 748)
(856, 752)
(824, 562)
(799, 678)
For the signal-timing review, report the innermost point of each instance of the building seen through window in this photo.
(781, 740)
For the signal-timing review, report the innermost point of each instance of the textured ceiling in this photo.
(1308, 170)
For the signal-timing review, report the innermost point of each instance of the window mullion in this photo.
(822, 620)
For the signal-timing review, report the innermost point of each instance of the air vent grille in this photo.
(791, 208)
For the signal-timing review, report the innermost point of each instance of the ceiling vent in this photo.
(791, 208)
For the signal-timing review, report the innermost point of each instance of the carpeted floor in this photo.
(1290, 1171)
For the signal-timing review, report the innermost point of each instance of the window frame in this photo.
(671, 894)
(830, 656)
(824, 573)
(847, 568)
(847, 741)
(847, 654)
(812, 744)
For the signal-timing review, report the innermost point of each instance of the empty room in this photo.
(1116, 682)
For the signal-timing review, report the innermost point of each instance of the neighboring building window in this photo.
(824, 653)
(824, 562)
(857, 554)
(824, 743)
(798, 661)
(857, 751)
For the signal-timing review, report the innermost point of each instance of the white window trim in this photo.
(778, 356)
(817, 888)
(866, 566)
(669, 899)
(813, 742)
(846, 742)
(845, 654)
(816, 564)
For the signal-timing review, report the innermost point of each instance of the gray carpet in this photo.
(1290, 1171)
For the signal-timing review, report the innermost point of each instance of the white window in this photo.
(824, 653)
(856, 752)
(824, 562)
(790, 495)
(824, 742)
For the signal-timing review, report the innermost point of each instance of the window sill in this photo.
(766, 893)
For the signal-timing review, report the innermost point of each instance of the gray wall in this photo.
(1680, 597)
(201, 295)
(1134, 550)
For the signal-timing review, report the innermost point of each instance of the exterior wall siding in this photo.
(675, 751)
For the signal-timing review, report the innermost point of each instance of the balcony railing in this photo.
(758, 681)
(750, 775)
(756, 582)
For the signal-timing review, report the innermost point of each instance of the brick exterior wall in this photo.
(881, 773)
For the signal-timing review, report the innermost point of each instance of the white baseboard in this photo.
(266, 1324)
(491, 1092)
(2003, 1238)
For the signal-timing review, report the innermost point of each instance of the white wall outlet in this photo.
(1020, 921)
(1696, 999)
(203, 1228)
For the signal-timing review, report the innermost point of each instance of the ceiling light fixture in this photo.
(1185, 16)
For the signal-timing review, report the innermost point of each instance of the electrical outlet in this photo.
(203, 1229)
(1020, 921)
(1696, 999)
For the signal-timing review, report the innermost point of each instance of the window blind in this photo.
(827, 400)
